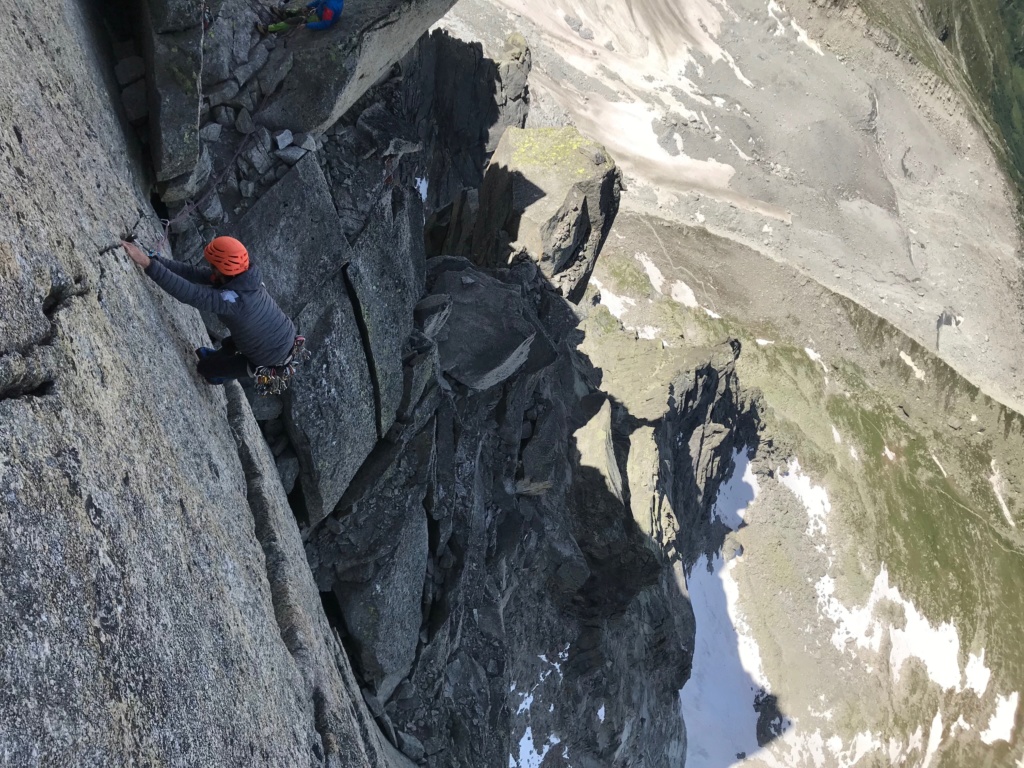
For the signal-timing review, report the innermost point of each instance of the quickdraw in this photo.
(274, 379)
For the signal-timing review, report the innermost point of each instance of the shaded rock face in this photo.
(551, 194)
(436, 120)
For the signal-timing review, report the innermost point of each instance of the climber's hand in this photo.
(135, 253)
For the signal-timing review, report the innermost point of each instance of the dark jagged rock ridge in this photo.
(498, 533)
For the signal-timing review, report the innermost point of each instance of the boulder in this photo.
(129, 70)
(291, 154)
(244, 123)
(329, 408)
(257, 58)
(283, 139)
(134, 101)
(186, 185)
(293, 233)
(388, 277)
(550, 194)
(357, 51)
(211, 132)
(487, 336)
(222, 94)
(273, 73)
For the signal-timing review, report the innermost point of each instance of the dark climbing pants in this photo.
(224, 363)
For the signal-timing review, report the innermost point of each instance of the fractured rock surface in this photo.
(356, 51)
(552, 194)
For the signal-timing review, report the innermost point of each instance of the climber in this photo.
(262, 336)
(318, 14)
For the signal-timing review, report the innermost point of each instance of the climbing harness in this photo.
(274, 379)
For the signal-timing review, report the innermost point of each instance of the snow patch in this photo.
(934, 739)
(600, 713)
(717, 702)
(803, 749)
(913, 366)
(653, 273)
(977, 674)
(936, 647)
(648, 332)
(813, 497)
(803, 37)
(421, 187)
(888, 454)
(735, 496)
(617, 305)
(836, 436)
(683, 294)
(1000, 726)
(773, 8)
(743, 155)
(997, 483)
(959, 725)
(525, 704)
(763, 342)
(817, 359)
(529, 755)
(939, 465)
(712, 314)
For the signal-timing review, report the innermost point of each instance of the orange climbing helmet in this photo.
(227, 255)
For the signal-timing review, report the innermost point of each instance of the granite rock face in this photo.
(156, 605)
(330, 413)
(387, 280)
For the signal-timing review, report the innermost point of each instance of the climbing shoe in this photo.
(204, 352)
